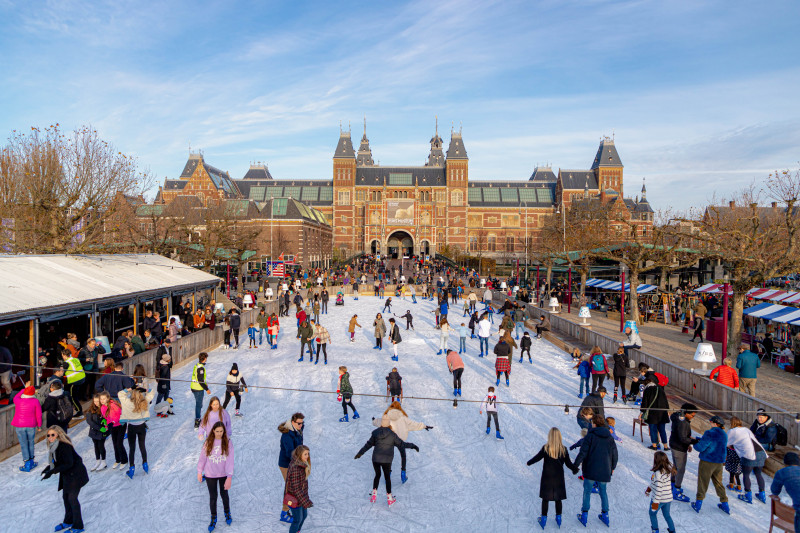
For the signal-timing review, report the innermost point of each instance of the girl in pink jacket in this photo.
(27, 418)
(216, 467)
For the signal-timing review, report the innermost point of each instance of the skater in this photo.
(384, 440)
(599, 367)
(351, 328)
(611, 422)
(164, 374)
(236, 323)
(380, 331)
(502, 365)
(394, 336)
(456, 367)
(27, 419)
(466, 307)
(62, 459)
(291, 437)
(484, 331)
(324, 297)
(519, 320)
(263, 326)
(401, 425)
(226, 332)
(659, 491)
(621, 363)
(98, 431)
(251, 334)
(394, 385)
(413, 292)
(526, 347)
(315, 308)
(215, 465)
(409, 319)
(598, 455)
(584, 372)
(436, 316)
(301, 317)
(345, 392)
(355, 290)
(274, 326)
(199, 385)
(733, 466)
(473, 323)
(214, 413)
(490, 405)
(462, 338)
(789, 478)
(712, 447)
(306, 335)
(595, 401)
(387, 305)
(234, 385)
(323, 339)
(111, 411)
(135, 412)
(752, 456)
(654, 412)
(296, 489)
(444, 335)
(680, 440)
(552, 487)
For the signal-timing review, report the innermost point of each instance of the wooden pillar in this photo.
(194, 299)
(136, 318)
(33, 360)
(169, 306)
(92, 321)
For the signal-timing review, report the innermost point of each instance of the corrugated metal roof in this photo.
(36, 284)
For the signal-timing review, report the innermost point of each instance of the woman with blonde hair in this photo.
(552, 487)
(62, 459)
(297, 486)
(753, 456)
(216, 464)
(401, 425)
(136, 412)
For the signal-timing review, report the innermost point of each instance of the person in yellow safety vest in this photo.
(75, 377)
(199, 385)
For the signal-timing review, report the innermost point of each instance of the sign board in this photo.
(400, 212)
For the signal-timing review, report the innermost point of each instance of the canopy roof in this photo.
(69, 285)
(616, 285)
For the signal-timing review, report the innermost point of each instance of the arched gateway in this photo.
(400, 244)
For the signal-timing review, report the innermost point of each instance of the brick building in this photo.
(419, 210)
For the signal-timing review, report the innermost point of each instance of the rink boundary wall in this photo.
(691, 385)
(184, 350)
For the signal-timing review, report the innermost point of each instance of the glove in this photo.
(103, 429)
(339, 399)
(427, 428)
(373, 418)
(358, 456)
(46, 474)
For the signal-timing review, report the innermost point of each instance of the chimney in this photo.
(732, 204)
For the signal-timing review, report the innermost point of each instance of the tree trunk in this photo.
(548, 279)
(735, 325)
(584, 275)
(633, 299)
(662, 282)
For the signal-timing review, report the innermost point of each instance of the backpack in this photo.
(64, 409)
(782, 438)
(598, 362)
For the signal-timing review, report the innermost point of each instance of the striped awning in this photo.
(616, 285)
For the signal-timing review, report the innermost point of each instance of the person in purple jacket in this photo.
(214, 413)
(216, 467)
(27, 418)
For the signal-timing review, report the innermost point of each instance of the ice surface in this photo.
(462, 480)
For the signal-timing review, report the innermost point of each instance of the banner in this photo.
(274, 268)
(400, 212)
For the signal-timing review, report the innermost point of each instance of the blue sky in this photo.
(701, 96)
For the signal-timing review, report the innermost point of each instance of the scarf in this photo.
(51, 452)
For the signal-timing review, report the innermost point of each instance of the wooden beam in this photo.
(33, 360)
(136, 318)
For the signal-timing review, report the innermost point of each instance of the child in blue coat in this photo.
(584, 372)
(251, 332)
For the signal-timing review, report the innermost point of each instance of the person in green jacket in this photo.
(262, 319)
(306, 332)
(747, 363)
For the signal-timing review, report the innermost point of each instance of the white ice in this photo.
(462, 480)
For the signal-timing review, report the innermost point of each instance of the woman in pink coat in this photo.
(27, 418)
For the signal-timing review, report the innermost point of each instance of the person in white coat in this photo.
(401, 425)
(632, 340)
(487, 296)
(484, 331)
(752, 456)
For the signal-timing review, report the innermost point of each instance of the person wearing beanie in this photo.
(163, 381)
(27, 419)
(712, 447)
(789, 478)
(384, 441)
(234, 385)
(765, 430)
(593, 400)
(680, 443)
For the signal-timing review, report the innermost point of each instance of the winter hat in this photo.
(791, 459)
(29, 391)
(717, 420)
(761, 412)
(234, 367)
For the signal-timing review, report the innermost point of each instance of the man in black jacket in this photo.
(236, 323)
(598, 455)
(595, 401)
(680, 442)
(114, 382)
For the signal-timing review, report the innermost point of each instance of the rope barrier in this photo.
(566, 407)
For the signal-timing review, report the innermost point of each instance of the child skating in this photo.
(525, 343)
(489, 404)
(409, 319)
(394, 385)
(462, 338)
(345, 392)
(251, 333)
(274, 326)
(660, 491)
(234, 385)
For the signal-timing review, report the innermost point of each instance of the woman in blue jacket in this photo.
(291, 437)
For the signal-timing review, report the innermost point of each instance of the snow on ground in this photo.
(462, 480)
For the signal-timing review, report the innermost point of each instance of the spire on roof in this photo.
(436, 157)
(607, 155)
(364, 157)
(644, 191)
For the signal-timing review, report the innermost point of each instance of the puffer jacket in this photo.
(112, 412)
(290, 439)
(725, 375)
(400, 423)
(27, 411)
(766, 433)
(127, 406)
(305, 332)
(712, 445)
(384, 440)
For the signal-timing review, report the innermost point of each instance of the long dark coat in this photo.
(552, 487)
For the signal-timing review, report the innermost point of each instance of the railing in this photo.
(731, 401)
(183, 350)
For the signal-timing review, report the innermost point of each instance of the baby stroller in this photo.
(339, 298)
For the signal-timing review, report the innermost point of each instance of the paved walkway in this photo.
(667, 342)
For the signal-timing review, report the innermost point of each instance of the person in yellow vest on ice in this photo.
(75, 378)
(199, 385)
